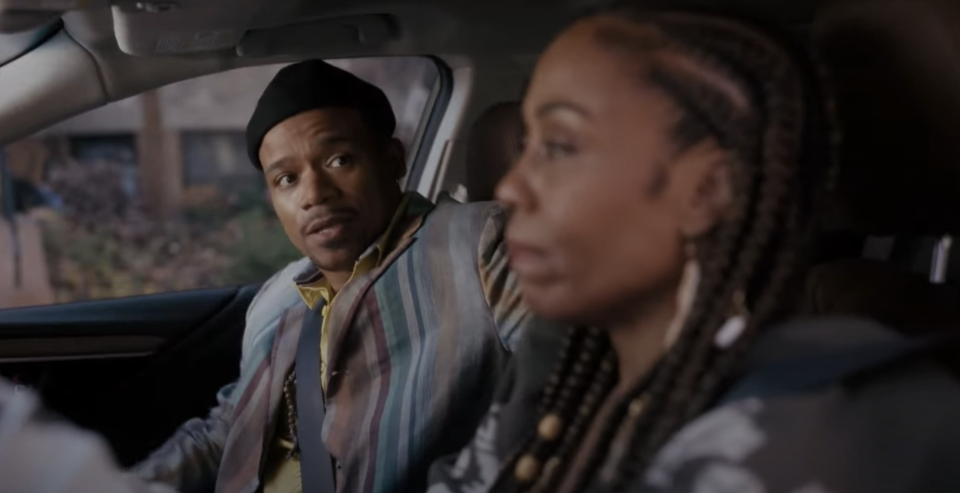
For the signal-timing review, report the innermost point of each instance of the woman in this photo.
(668, 186)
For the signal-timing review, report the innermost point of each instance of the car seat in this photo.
(895, 68)
(493, 147)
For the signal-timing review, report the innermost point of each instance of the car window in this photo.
(155, 193)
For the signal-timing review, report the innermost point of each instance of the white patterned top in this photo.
(39, 456)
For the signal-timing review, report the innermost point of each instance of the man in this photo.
(412, 308)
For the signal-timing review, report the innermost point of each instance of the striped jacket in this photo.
(417, 347)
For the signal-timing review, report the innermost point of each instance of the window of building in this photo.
(219, 159)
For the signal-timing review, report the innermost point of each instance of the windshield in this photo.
(15, 44)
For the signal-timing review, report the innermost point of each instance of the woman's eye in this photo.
(339, 161)
(556, 150)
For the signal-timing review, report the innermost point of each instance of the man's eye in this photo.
(339, 161)
(287, 179)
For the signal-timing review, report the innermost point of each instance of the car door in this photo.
(131, 368)
(151, 288)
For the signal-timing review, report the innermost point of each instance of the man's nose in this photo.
(317, 188)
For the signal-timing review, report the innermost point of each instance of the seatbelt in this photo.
(810, 373)
(316, 464)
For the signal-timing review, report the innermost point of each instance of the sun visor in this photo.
(339, 34)
(168, 28)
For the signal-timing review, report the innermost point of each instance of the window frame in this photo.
(429, 128)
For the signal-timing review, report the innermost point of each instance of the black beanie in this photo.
(313, 85)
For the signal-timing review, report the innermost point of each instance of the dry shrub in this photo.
(104, 245)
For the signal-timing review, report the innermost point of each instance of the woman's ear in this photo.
(709, 196)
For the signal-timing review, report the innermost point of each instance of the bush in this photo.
(262, 248)
(105, 246)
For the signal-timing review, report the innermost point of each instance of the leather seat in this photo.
(883, 292)
(494, 146)
(895, 67)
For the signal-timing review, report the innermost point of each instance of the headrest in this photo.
(895, 68)
(878, 290)
(904, 302)
(493, 148)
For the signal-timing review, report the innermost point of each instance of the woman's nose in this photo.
(513, 191)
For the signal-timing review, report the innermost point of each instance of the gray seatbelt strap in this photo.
(316, 465)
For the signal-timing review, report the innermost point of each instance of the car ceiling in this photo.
(104, 53)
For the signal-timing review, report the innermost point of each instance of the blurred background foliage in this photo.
(103, 245)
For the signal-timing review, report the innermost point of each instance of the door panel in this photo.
(132, 369)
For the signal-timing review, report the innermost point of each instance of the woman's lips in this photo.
(526, 259)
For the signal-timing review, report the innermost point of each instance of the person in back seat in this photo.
(380, 350)
(675, 167)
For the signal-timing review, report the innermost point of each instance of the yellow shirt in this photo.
(282, 474)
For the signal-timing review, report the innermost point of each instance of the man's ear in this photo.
(397, 157)
(709, 197)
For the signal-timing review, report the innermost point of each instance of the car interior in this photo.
(133, 369)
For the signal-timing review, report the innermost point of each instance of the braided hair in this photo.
(778, 149)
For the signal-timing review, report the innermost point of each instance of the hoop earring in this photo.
(686, 295)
